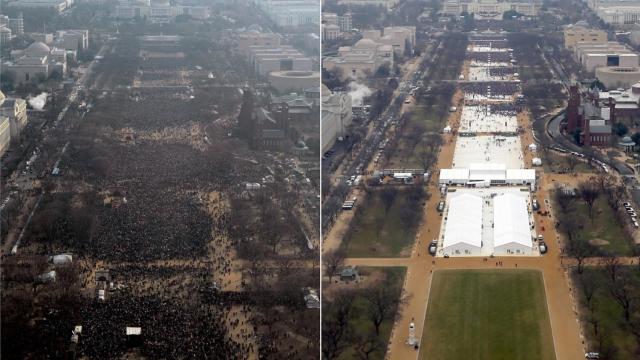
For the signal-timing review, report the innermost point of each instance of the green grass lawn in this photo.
(487, 314)
(359, 322)
(617, 342)
(394, 238)
(604, 226)
(404, 156)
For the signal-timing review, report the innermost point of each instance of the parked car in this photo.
(592, 355)
(433, 247)
(543, 248)
(441, 206)
(535, 205)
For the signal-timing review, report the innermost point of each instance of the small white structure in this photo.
(46, 278)
(533, 147)
(402, 176)
(536, 162)
(447, 129)
(131, 330)
(512, 231)
(61, 259)
(463, 229)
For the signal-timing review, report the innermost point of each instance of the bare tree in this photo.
(589, 192)
(378, 224)
(622, 292)
(588, 287)
(335, 324)
(333, 260)
(604, 181)
(382, 302)
(634, 328)
(562, 199)
(594, 319)
(571, 161)
(428, 157)
(388, 196)
(414, 134)
(367, 345)
(612, 265)
(569, 226)
(409, 217)
(579, 249)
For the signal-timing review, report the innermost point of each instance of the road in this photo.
(26, 178)
(363, 161)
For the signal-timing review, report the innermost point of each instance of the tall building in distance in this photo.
(582, 33)
(16, 25)
(290, 13)
(389, 4)
(490, 9)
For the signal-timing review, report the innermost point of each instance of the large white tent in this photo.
(493, 173)
(463, 229)
(511, 232)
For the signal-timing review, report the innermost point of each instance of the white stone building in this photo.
(15, 110)
(37, 61)
(336, 116)
(490, 9)
(361, 60)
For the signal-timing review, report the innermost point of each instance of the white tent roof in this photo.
(464, 221)
(511, 220)
(454, 174)
(62, 259)
(402, 175)
(521, 174)
(132, 330)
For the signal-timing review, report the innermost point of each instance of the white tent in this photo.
(463, 229)
(520, 176)
(511, 231)
(133, 330)
(536, 162)
(453, 176)
(401, 176)
(61, 259)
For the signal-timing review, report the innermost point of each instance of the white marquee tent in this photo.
(463, 229)
(512, 232)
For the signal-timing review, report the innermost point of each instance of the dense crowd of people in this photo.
(170, 330)
(486, 57)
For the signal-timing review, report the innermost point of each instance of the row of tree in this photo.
(342, 331)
